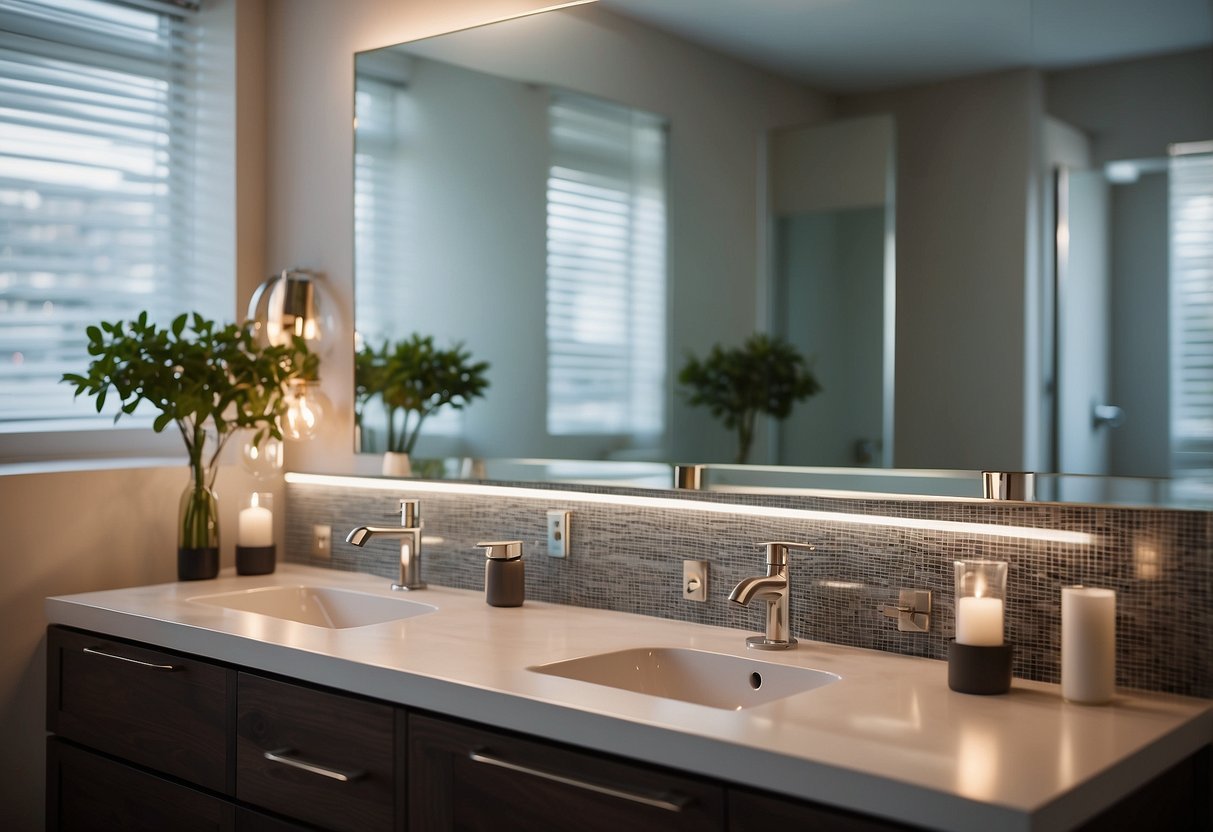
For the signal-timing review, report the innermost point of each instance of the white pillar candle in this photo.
(979, 621)
(1088, 644)
(255, 527)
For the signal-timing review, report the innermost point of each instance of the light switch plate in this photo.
(558, 533)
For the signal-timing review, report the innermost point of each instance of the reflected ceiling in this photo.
(836, 46)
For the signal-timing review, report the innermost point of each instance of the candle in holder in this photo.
(255, 552)
(981, 587)
(979, 660)
(255, 526)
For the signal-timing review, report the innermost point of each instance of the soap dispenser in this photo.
(503, 573)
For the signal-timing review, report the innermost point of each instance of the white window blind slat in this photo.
(606, 269)
(1191, 210)
(96, 177)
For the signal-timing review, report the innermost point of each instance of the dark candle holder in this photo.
(979, 669)
(255, 560)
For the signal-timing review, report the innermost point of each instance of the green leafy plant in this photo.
(208, 380)
(413, 378)
(764, 375)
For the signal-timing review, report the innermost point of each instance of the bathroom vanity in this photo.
(177, 706)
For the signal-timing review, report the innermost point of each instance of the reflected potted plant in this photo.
(414, 379)
(764, 375)
(210, 381)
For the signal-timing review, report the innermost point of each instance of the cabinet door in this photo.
(317, 756)
(469, 778)
(86, 791)
(756, 812)
(157, 709)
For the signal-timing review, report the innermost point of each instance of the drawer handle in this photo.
(287, 757)
(168, 668)
(665, 801)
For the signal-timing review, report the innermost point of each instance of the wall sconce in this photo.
(294, 303)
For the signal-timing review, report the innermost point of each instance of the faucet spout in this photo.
(762, 588)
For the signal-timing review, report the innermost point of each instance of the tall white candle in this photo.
(979, 621)
(255, 527)
(1088, 644)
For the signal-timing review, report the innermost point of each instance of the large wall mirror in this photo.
(585, 197)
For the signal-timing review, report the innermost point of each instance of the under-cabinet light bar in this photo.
(468, 489)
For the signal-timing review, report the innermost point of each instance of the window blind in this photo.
(96, 141)
(386, 123)
(606, 269)
(1191, 209)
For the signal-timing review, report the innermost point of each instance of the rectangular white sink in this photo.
(319, 606)
(717, 680)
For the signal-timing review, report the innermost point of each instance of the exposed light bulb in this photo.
(306, 407)
(265, 460)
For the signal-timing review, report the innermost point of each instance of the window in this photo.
(1191, 186)
(96, 177)
(606, 269)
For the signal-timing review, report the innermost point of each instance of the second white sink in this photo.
(717, 680)
(318, 606)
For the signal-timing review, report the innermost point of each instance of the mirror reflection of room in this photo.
(900, 236)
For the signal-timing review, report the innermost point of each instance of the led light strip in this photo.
(468, 489)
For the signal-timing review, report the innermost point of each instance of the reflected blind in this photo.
(606, 269)
(96, 135)
(384, 153)
(1191, 198)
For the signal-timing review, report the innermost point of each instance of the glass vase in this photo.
(198, 531)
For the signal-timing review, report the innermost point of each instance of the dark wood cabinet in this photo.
(751, 811)
(148, 739)
(328, 758)
(87, 791)
(471, 778)
(162, 710)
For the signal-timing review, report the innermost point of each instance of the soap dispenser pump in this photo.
(503, 573)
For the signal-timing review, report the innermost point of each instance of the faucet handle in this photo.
(410, 514)
(777, 551)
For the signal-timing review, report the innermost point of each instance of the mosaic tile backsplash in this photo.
(629, 558)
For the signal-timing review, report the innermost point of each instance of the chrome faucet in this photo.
(775, 589)
(409, 532)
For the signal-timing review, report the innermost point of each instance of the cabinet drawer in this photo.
(323, 757)
(86, 791)
(154, 708)
(469, 778)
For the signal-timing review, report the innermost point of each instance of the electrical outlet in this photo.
(695, 580)
(322, 541)
(558, 533)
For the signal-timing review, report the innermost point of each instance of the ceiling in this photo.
(859, 45)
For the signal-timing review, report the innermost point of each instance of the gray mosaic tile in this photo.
(629, 558)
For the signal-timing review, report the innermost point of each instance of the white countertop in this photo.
(889, 739)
